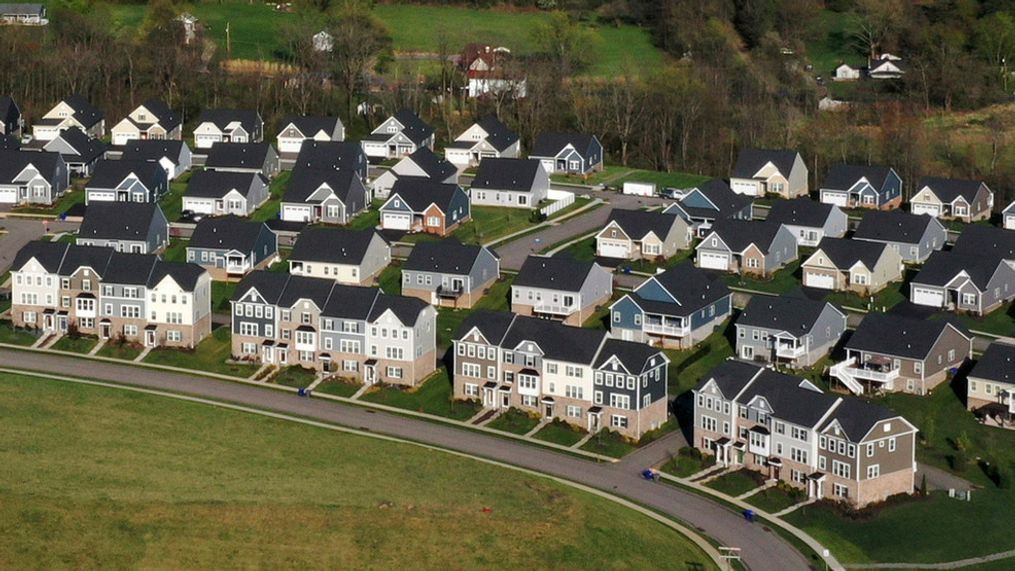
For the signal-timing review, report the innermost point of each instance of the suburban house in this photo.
(797, 332)
(758, 172)
(579, 376)
(990, 385)
(356, 332)
(126, 181)
(846, 72)
(399, 135)
(952, 198)
(75, 111)
(837, 448)
(420, 205)
(227, 126)
(970, 283)
(859, 186)
(857, 266)
(152, 120)
(568, 153)
(981, 240)
(808, 220)
(135, 227)
(351, 257)
(886, 66)
(173, 156)
(514, 183)
(11, 121)
(243, 157)
(487, 72)
(333, 155)
(216, 193)
(79, 151)
(139, 298)
(28, 177)
(297, 128)
(449, 273)
(486, 138)
(642, 235)
(560, 288)
(712, 200)
(230, 247)
(1008, 217)
(323, 195)
(22, 14)
(675, 309)
(421, 164)
(901, 354)
(915, 237)
(746, 246)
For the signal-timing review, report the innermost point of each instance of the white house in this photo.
(514, 183)
(399, 135)
(846, 72)
(153, 119)
(227, 126)
(486, 138)
(75, 111)
(297, 129)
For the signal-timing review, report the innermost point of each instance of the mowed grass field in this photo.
(101, 478)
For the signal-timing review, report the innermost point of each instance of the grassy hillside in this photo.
(834, 44)
(98, 478)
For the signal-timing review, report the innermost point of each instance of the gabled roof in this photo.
(351, 302)
(997, 364)
(897, 336)
(638, 223)
(413, 127)
(9, 110)
(800, 212)
(420, 193)
(844, 177)
(9, 143)
(493, 325)
(635, 357)
(406, 309)
(118, 220)
(790, 398)
(77, 257)
(845, 253)
(718, 192)
(216, 184)
(304, 182)
(507, 174)
(269, 285)
(86, 148)
(497, 133)
(332, 155)
(316, 290)
(84, 112)
(238, 155)
(558, 272)
(166, 117)
(222, 118)
(557, 341)
(435, 167)
(857, 417)
(948, 189)
(730, 376)
(739, 234)
(23, 9)
(311, 125)
(153, 150)
(129, 269)
(796, 316)
(750, 161)
(690, 286)
(13, 162)
(227, 233)
(109, 173)
(894, 226)
(980, 241)
(184, 274)
(550, 144)
(943, 267)
(448, 256)
(332, 245)
(47, 253)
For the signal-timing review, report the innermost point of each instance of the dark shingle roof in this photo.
(316, 290)
(559, 272)
(167, 118)
(87, 149)
(843, 177)
(9, 143)
(942, 267)
(750, 161)
(948, 189)
(129, 269)
(351, 302)
(739, 234)
(13, 162)
(413, 127)
(332, 245)
(557, 341)
(793, 315)
(638, 223)
(406, 309)
(493, 325)
(216, 184)
(9, 111)
(420, 193)
(311, 125)
(844, 252)
(507, 174)
(996, 364)
(448, 256)
(153, 150)
(84, 111)
(731, 376)
(497, 133)
(94, 257)
(435, 167)
(304, 182)
(226, 233)
(549, 144)
(897, 336)
(981, 241)
(692, 288)
(331, 155)
(857, 417)
(118, 220)
(49, 254)
(720, 194)
(238, 155)
(184, 274)
(221, 118)
(800, 212)
(269, 285)
(894, 226)
(633, 356)
(789, 400)
(109, 173)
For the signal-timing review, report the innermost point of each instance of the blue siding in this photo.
(655, 292)
(701, 316)
(696, 200)
(892, 188)
(627, 309)
(459, 209)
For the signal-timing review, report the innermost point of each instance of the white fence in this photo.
(561, 200)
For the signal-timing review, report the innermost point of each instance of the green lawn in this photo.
(337, 387)
(390, 278)
(99, 478)
(688, 366)
(15, 336)
(1001, 321)
(172, 202)
(448, 320)
(489, 223)
(80, 344)
(781, 281)
(124, 351)
(68, 200)
(514, 421)
(369, 218)
(586, 250)
(270, 209)
(607, 175)
(221, 293)
(736, 483)
(892, 295)
(176, 251)
(609, 443)
(559, 432)
(433, 397)
(687, 462)
(776, 498)
(616, 175)
(833, 45)
(209, 355)
(296, 377)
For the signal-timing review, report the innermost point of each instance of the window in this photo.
(616, 317)
(574, 411)
(873, 471)
(798, 455)
(471, 390)
(551, 368)
(622, 402)
(472, 370)
(891, 444)
(822, 463)
(573, 392)
(174, 336)
(840, 491)
(618, 421)
(969, 299)
(395, 372)
(840, 469)
(870, 450)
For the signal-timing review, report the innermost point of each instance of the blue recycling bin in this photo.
(749, 515)
(302, 392)
(648, 475)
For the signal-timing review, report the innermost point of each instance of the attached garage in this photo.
(293, 213)
(820, 281)
(836, 198)
(396, 221)
(932, 209)
(614, 249)
(8, 196)
(928, 296)
(713, 261)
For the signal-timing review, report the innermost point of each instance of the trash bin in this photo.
(749, 515)
(648, 475)
(302, 392)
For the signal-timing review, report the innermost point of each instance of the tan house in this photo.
(639, 234)
(858, 266)
(763, 171)
(952, 198)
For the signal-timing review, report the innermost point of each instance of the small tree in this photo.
(923, 485)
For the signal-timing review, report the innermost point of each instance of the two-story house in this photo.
(449, 273)
(568, 153)
(217, 193)
(900, 354)
(397, 136)
(809, 221)
(641, 234)
(580, 376)
(351, 257)
(858, 266)
(135, 227)
(758, 172)
(152, 120)
(560, 288)
(952, 198)
(422, 163)
(254, 158)
(709, 201)
(675, 309)
(126, 181)
(797, 332)
(746, 246)
(296, 129)
(28, 177)
(915, 237)
(227, 126)
(173, 156)
(74, 111)
(324, 195)
(486, 138)
(421, 205)
(861, 186)
(514, 183)
(230, 247)
(990, 385)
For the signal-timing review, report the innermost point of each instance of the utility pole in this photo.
(229, 44)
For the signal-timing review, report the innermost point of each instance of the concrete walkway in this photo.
(582, 442)
(535, 429)
(950, 565)
(318, 380)
(49, 342)
(42, 339)
(794, 507)
(260, 370)
(143, 354)
(360, 392)
(749, 493)
(98, 346)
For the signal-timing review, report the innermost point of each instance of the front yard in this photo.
(15, 336)
(514, 421)
(221, 293)
(270, 209)
(585, 250)
(77, 344)
(489, 223)
(560, 432)
(1001, 321)
(210, 355)
(736, 483)
(337, 387)
(782, 281)
(688, 462)
(432, 397)
(172, 202)
(776, 498)
(296, 377)
(122, 351)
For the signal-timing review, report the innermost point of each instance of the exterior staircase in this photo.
(841, 372)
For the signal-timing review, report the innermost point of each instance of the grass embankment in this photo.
(102, 478)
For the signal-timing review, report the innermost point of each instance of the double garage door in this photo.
(927, 296)
(820, 281)
(931, 209)
(396, 221)
(836, 198)
(713, 261)
(8, 196)
(614, 249)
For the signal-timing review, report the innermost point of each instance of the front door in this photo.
(593, 423)
(548, 410)
(747, 352)
(370, 374)
(149, 338)
(266, 355)
(47, 323)
(105, 331)
(505, 400)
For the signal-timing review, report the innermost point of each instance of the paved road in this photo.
(21, 231)
(761, 550)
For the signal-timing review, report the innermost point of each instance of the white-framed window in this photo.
(174, 336)
(248, 348)
(622, 402)
(873, 471)
(529, 400)
(472, 370)
(840, 491)
(471, 390)
(395, 372)
(618, 421)
(574, 411)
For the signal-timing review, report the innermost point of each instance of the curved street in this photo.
(760, 549)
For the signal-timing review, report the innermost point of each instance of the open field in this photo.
(103, 478)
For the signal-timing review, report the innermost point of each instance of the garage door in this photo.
(836, 198)
(396, 221)
(614, 249)
(931, 209)
(931, 297)
(8, 196)
(821, 281)
(711, 261)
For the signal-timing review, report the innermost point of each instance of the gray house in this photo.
(809, 220)
(216, 193)
(862, 186)
(712, 200)
(28, 177)
(794, 331)
(324, 195)
(560, 288)
(352, 257)
(421, 205)
(914, 236)
(449, 273)
(960, 282)
(675, 309)
(840, 264)
(514, 183)
(229, 247)
(568, 153)
(746, 246)
(332, 155)
(423, 163)
(952, 198)
(126, 181)
(78, 150)
(135, 227)
(640, 234)
(243, 157)
(174, 156)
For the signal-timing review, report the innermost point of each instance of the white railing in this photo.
(788, 351)
(554, 309)
(665, 329)
(847, 372)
